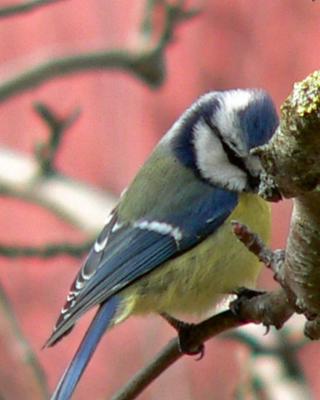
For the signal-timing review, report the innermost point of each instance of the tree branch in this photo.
(272, 259)
(64, 197)
(147, 65)
(48, 250)
(45, 153)
(171, 353)
(21, 345)
(292, 158)
(270, 309)
(23, 8)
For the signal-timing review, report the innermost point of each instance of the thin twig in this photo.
(146, 26)
(28, 355)
(48, 250)
(19, 9)
(46, 152)
(272, 259)
(175, 14)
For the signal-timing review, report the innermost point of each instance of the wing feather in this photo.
(132, 250)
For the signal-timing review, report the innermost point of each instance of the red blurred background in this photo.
(246, 43)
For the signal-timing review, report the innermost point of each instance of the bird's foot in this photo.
(185, 331)
(243, 295)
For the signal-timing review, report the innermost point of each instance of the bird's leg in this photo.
(184, 330)
(243, 294)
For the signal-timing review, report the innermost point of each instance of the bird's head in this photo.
(215, 136)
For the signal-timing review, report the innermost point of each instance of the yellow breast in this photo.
(195, 281)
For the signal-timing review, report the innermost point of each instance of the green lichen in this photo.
(305, 98)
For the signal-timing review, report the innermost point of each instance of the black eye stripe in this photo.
(233, 157)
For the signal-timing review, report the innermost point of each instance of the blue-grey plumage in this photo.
(168, 245)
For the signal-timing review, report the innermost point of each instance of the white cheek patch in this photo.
(213, 162)
(227, 117)
(160, 227)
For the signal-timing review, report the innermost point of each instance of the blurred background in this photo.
(229, 44)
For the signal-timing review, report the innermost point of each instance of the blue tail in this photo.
(73, 373)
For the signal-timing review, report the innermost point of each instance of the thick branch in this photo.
(292, 157)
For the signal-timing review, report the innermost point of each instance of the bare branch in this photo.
(23, 8)
(175, 13)
(48, 250)
(46, 152)
(147, 65)
(272, 259)
(28, 356)
(171, 353)
(270, 309)
(64, 197)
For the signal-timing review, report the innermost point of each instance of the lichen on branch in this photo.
(293, 154)
(293, 159)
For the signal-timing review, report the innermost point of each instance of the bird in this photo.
(168, 246)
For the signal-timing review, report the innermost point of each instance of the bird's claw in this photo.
(243, 294)
(184, 330)
(267, 329)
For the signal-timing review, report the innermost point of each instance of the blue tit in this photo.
(168, 246)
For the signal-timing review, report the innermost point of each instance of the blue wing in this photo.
(122, 254)
(129, 252)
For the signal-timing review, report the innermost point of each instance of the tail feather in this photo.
(73, 373)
